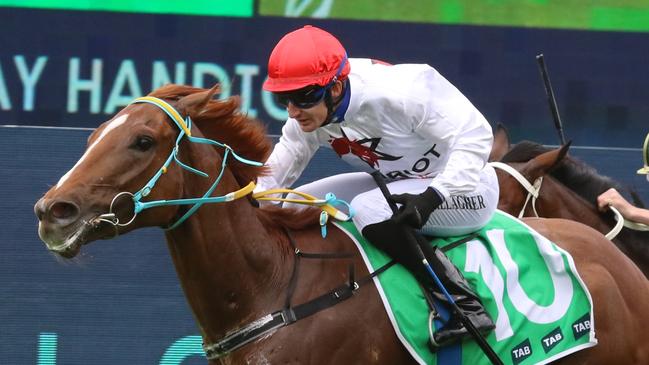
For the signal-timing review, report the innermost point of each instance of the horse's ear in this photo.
(194, 104)
(563, 151)
(545, 162)
(501, 143)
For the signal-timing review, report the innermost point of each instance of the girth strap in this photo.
(271, 322)
(289, 314)
(282, 318)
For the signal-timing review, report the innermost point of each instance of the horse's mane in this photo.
(223, 121)
(571, 172)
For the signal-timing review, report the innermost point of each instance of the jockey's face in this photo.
(312, 118)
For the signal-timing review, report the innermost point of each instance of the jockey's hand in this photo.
(416, 208)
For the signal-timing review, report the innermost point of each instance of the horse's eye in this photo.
(143, 143)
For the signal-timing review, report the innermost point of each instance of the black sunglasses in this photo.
(304, 98)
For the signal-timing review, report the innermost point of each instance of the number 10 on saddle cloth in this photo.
(530, 287)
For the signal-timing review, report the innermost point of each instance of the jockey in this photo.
(613, 198)
(407, 121)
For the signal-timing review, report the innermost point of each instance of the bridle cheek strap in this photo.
(184, 125)
(185, 131)
(533, 190)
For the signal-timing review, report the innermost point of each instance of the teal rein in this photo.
(197, 202)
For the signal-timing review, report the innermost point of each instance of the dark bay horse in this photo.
(568, 189)
(235, 261)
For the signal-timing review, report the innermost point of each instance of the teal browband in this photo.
(185, 131)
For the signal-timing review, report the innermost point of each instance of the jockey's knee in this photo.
(369, 208)
(359, 204)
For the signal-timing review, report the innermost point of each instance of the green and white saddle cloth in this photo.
(529, 286)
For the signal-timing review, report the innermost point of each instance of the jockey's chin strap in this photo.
(532, 189)
(185, 131)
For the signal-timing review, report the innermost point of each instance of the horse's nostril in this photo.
(63, 211)
(39, 209)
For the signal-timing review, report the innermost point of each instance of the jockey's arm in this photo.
(468, 134)
(289, 158)
(447, 118)
(613, 198)
(639, 215)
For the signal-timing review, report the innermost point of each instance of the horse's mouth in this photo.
(67, 241)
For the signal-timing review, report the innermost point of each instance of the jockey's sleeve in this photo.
(449, 117)
(461, 174)
(289, 158)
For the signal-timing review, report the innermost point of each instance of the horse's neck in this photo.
(231, 269)
(558, 200)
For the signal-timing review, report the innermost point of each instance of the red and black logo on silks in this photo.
(364, 148)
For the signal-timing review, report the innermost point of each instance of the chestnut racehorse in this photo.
(235, 261)
(568, 189)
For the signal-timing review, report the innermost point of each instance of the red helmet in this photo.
(307, 56)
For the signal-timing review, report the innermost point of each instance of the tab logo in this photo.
(521, 352)
(552, 339)
(581, 326)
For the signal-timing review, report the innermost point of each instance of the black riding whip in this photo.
(412, 241)
(552, 103)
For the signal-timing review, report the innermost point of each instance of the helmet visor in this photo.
(304, 98)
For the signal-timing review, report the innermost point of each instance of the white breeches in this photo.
(461, 214)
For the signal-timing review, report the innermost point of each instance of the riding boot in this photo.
(389, 236)
(462, 294)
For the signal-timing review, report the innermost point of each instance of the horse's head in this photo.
(521, 181)
(95, 199)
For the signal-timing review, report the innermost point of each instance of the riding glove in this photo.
(416, 208)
